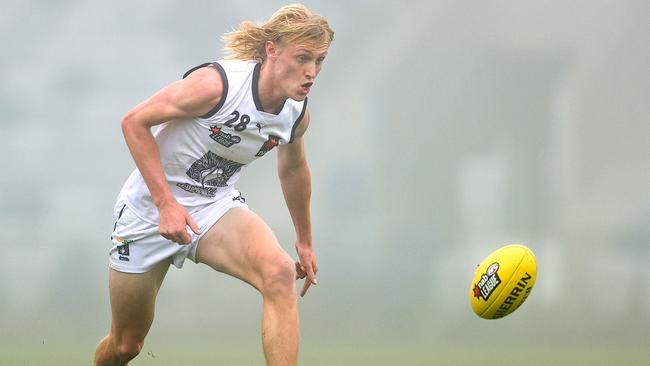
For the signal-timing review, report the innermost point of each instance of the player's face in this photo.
(297, 67)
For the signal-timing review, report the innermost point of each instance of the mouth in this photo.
(306, 87)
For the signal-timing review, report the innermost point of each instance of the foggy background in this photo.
(441, 130)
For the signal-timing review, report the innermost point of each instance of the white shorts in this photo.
(138, 246)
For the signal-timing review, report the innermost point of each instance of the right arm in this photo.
(193, 96)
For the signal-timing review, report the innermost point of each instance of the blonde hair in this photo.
(293, 24)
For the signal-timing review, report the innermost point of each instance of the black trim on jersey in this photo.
(195, 68)
(302, 115)
(224, 82)
(256, 91)
(118, 218)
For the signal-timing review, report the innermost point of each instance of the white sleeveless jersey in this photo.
(203, 157)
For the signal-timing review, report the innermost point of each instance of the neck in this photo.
(271, 98)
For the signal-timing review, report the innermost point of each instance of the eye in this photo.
(320, 60)
(303, 59)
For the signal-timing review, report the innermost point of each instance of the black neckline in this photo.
(256, 91)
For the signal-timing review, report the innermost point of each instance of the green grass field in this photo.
(332, 354)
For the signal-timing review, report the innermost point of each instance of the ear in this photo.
(271, 50)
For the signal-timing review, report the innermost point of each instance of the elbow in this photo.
(128, 121)
(288, 171)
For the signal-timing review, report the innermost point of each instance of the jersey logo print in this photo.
(223, 138)
(268, 145)
(211, 171)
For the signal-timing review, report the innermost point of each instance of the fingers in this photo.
(300, 272)
(310, 280)
(184, 237)
(179, 234)
(180, 237)
(311, 275)
(310, 272)
(190, 221)
(305, 287)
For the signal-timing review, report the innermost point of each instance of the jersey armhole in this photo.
(297, 123)
(224, 83)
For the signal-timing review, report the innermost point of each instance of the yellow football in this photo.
(503, 281)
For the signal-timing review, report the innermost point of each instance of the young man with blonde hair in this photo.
(181, 203)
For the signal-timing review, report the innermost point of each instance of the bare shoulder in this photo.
(193, 96)
(201, 90)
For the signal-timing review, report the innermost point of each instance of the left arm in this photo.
(295, 179)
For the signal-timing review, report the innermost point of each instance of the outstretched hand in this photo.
(306, 267)
(172, 222)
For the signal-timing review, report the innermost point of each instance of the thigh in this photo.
(133, 297)
(241, 244)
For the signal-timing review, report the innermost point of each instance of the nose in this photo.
(311, 71)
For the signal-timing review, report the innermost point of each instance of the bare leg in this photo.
(133, 298)
(242, 245)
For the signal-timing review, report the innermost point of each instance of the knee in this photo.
(128, 348)
(279, 278)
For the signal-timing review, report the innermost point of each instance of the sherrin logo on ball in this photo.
(503, 281)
